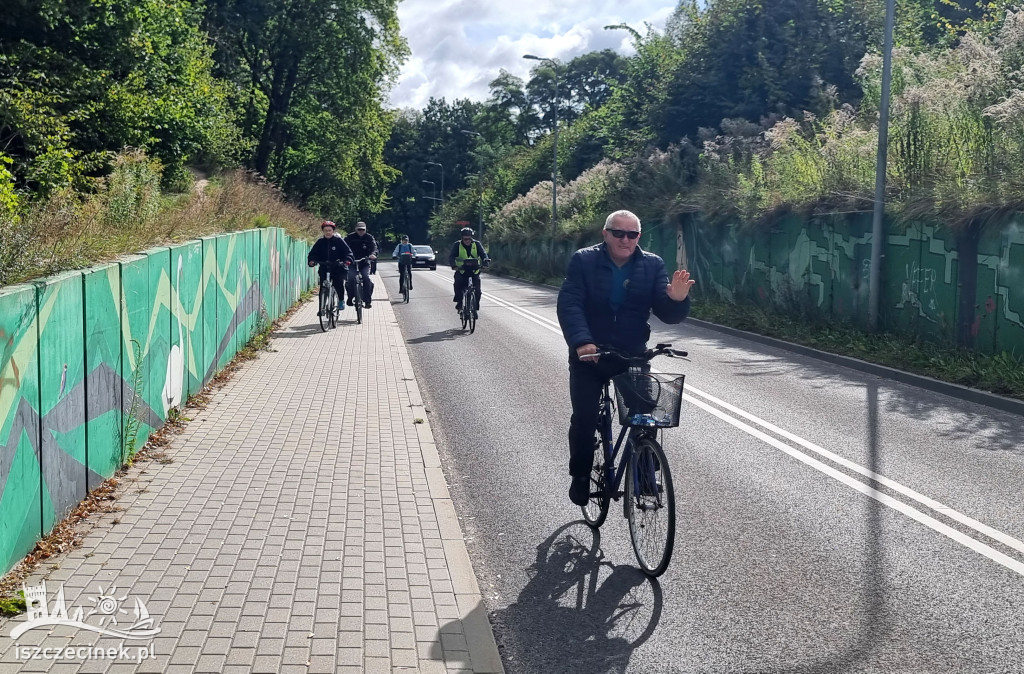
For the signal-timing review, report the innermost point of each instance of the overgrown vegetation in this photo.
(1002, 373)
(132, 423)
(128, 212)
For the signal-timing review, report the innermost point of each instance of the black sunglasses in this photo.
(619, 233)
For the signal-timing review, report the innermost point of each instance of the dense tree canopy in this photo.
(294, 90)
(725, 69)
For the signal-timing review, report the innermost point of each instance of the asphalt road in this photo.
(828, 521)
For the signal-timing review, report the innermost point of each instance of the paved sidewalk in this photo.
(287, 534)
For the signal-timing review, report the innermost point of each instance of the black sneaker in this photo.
(350, 302)
(579, 490)
(368, 304)
(319, 313)
(458, 308)
(475, 315)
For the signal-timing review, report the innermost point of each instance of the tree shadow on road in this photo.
(578, 612)
(983, 427)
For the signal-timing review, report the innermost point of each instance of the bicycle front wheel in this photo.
(322, 312)
(358, 302)
(332, 307)
(406, 283)
(596, 510)
(650, 506)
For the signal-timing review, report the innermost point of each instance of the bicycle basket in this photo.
(648, 399)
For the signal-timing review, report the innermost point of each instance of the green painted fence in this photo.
(84, 353)
(965, 288)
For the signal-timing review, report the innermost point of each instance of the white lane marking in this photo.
(539, 320)
(938, 507)
(981, 528)
(869, 491)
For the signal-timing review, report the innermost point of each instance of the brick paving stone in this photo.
(268, 542)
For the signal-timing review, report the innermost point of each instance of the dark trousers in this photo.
(364, 271)
(337, 280)
(586, 381)
(460, 286)
(404, 264)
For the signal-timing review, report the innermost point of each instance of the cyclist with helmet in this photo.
(403, 253)
(466, 259)
(364, 247)
(333, 255)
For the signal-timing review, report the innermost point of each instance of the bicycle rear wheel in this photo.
(596, 510)
(322, 312)
(650, 506)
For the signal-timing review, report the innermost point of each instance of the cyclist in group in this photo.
(363, 245)
(333, 255)
(403, 253)
(467, 248)
(606, 299)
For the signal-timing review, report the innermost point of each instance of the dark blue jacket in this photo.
(584, 302)
(330, 252)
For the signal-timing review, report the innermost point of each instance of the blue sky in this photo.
(458, 46)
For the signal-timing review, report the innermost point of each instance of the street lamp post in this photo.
(433, 190)
(554, 117)
(441, 166)
(878, 228)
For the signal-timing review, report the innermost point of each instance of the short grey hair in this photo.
(622, 214)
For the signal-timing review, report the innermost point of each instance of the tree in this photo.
(81, 79)
(752, 58)
(310, 77)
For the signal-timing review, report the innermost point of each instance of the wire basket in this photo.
(649, 399)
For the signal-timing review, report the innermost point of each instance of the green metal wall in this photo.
(818, 269)
(68, 363)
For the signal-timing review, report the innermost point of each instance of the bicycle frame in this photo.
(358, 280)
(613, 476)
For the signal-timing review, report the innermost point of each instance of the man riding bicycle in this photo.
(403, 253)
(606, 299)
(364, 247)
(467, 257)
(334, 256)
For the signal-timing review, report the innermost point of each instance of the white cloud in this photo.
(458, 46)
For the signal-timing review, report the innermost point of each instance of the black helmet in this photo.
(467, 231)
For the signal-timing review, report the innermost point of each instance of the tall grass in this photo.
(128, 212)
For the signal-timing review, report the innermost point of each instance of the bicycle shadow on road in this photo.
(439, 336)
(578, 612)
(298, 331)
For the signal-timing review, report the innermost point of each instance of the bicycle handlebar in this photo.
(649, 354)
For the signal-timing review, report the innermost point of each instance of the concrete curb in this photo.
(957, 391)
(934, 385)
(483, 650)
